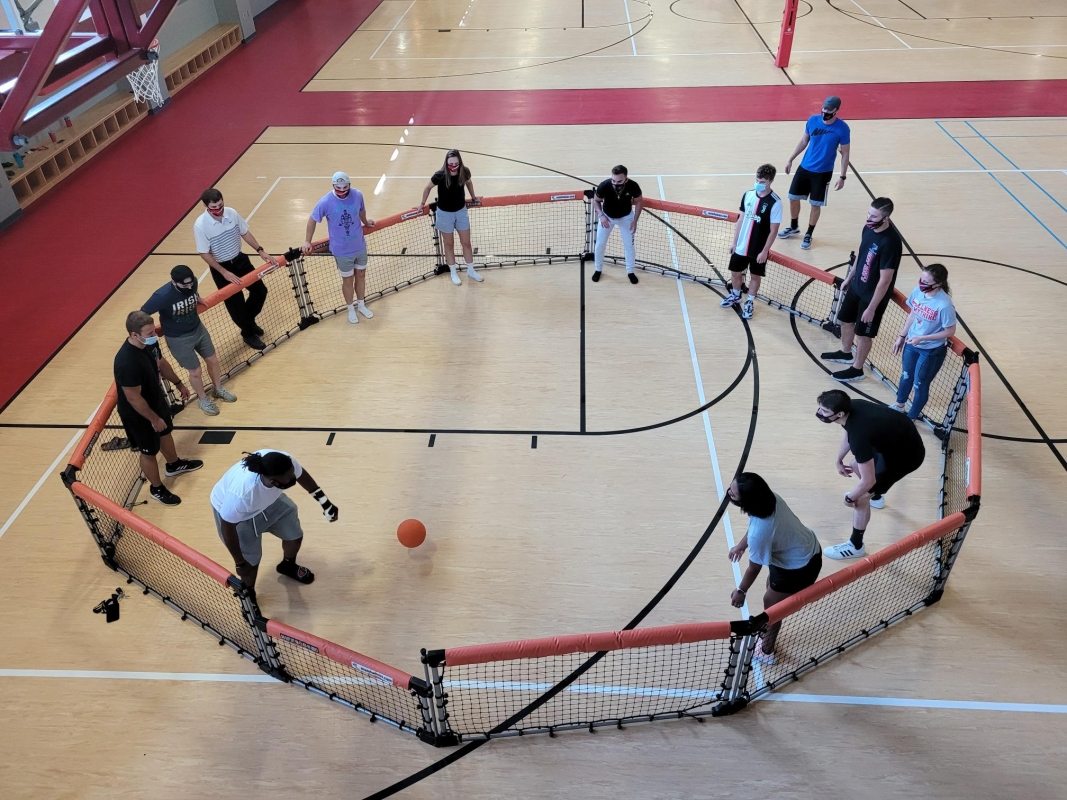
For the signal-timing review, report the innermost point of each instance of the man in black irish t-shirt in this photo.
(885, 447)
(616, 204)
(868, 289)
(143, 406)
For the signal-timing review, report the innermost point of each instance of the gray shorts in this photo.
(279, 518)
(185, 348)
(346, 265)
(449, 221)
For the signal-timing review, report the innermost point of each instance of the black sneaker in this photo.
(183, 465)
(596, 275)
(632, 277)
(161, 494)
(298, 573)
(785, 233)
(254, 342)
(840, 356)
(848, 375)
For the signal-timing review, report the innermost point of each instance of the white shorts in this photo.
(346, 265)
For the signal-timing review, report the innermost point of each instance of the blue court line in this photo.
(1036, 218)
(1017, 136)
(1001, 154)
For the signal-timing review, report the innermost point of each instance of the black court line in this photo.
(473, 745)
(433, 438)
(329, 441)
(755, 30)
(912, 10)
(533, 443)
(119, 285)
(978, 346)
(800, 15)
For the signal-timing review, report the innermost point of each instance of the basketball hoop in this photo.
(145, 80)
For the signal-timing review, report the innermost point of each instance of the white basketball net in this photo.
(145, 80)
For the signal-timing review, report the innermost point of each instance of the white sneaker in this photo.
(840, 552)
(474, 276)
(731, 299)
(764, 658)
(362, 309)
(748, 309)
(455, 276)
(353, 317)
(878, 503)
(895, 407)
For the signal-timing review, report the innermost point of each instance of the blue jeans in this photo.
(919, 368)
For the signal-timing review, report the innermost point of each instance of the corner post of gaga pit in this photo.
(785, 40)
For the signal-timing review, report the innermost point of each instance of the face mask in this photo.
(872, 224)
(454, 168)
(827, 420)
(186, 290)
(827, 117)
(926, 288)
(148, 341)
(618, 187)
(288, 485)
(734, 502)
(342, 193)
(760, 187)
(217, 212)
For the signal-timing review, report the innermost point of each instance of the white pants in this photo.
(602, 235)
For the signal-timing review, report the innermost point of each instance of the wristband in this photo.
(741, 590)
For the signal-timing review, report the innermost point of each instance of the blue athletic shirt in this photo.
(342, 220)
(825, 139)
(177, 310)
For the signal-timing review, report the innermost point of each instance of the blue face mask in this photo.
(760, 187)
(149, 340)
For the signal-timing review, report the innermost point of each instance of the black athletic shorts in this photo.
(811, 186)
(886, 474)
(143, 437)
(852, 308)
(791, 581)
(741, 263)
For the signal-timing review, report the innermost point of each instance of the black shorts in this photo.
(741, 263)
(888, 473)
(791, 581)
(143, 437)
(852, 308)
(811, 186)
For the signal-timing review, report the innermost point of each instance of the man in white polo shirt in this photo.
(250, 500)
(218, 233)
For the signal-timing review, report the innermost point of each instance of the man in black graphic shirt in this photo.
(187, 337)
(616, 203)
(143, 407)
(868, 289)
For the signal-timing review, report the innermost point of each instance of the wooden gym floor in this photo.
(579, 533)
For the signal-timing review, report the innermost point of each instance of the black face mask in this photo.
(288, 485)
(827, 420)
(827, 117)
(619, 187)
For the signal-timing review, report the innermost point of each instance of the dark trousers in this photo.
(243, 311)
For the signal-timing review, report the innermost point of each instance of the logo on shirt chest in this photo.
(926, 312)
(187, 305)
(347, 221)
(872, 253)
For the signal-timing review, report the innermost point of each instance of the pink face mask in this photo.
(342, 192)
(216, 212)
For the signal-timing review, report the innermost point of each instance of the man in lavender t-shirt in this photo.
(346, 217)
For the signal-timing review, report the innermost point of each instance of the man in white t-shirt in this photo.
(250, 500)
(218, 233)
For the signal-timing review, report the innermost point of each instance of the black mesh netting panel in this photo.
(204, 600)
(847, 616)
(111, 467)
(361, 689)
(630, 684)
(957, 468)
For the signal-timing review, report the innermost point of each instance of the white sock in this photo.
(361, 304)
(453, 267)
(351, 306)
(752, 297)
(469, 265)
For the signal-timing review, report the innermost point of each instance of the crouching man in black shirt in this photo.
(885, 446)
(143, 406)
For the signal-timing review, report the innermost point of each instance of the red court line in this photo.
(76, 245)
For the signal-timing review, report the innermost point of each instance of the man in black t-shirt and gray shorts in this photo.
(616, 204)
(143, 407)
(868, 290)
(885, 446)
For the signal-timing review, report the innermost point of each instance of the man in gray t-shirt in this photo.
(776, 539)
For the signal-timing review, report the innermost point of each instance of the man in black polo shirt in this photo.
(616, 203)
(186, 335)
(885, 447)
(868, 289)
(143, 407)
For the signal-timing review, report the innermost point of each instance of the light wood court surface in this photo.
(579, 533)
(495, 44)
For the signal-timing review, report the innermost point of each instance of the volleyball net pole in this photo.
(785, 40)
